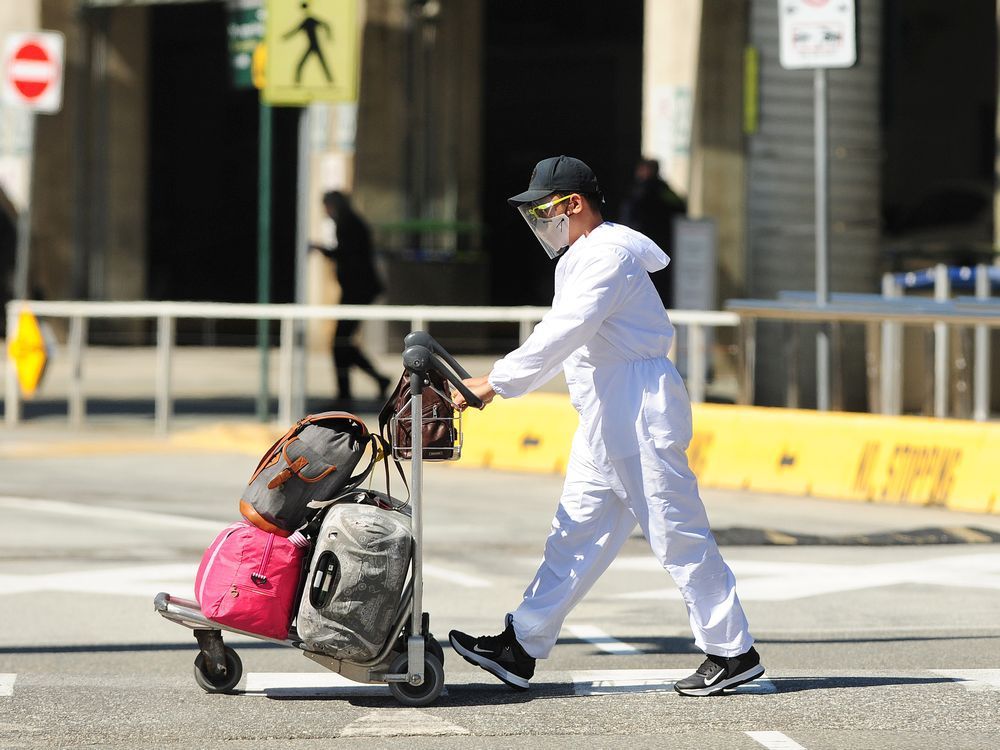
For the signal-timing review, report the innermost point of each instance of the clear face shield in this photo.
(551, 229)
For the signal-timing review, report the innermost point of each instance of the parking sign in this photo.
(817, 33)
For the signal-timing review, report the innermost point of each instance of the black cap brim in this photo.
(528, 196)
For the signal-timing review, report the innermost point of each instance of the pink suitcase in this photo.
(249, 579)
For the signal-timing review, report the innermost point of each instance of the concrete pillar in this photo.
(717, 189)
(670, 52)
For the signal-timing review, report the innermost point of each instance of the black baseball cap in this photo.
(557, 174)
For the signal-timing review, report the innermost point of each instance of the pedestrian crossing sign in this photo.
(28, 351)
(312, 52)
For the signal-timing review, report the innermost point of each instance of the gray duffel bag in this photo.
(306, 470)
(359, 568)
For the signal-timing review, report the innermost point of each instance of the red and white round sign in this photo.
(33, 70)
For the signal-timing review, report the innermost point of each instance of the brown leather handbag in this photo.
(440, 426)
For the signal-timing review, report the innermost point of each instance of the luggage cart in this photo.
(411, 662)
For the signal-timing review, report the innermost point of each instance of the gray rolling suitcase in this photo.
(355, 583)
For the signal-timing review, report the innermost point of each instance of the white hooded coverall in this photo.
(609, 332)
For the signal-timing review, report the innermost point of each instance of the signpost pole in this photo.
(816, 35)
(301, 256)
(822, 239)
(264, 255)
(23, 256)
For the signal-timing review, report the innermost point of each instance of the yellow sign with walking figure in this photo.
(312, 51)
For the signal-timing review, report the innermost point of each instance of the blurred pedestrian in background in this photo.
(359, 285)
(650, 208)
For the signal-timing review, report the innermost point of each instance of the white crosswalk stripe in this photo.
(774, 741)
(584, 682)
(976, 680)
(761, 580)
(611, 681)
(401, 722)
(7, 683)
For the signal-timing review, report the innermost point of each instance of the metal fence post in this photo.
(77, 341)
(12, 395)
(792, 366)
(286, 363)
(748, 356)
(524, 329)
(889, 385)
(942, 291)
(696, 362)
(981, 374)
(164, 349)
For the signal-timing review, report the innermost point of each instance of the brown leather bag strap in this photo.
(250, 513)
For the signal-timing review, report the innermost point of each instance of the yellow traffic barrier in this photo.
(860, 457)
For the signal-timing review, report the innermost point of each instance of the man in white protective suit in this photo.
(608, 331)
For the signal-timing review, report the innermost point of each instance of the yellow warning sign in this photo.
(28, 352)
(312, 51)
(258, 66)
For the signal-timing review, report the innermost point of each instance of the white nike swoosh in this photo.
(480, 651)
(715, 677)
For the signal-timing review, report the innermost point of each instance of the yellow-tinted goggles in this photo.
(542, 211)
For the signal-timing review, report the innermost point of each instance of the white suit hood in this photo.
(647, 252)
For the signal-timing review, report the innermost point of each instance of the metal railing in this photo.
(981, 315)
(167, 313)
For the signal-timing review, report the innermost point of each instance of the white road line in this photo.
(401, 722)
(774, 741)
(7, 684)
(760, 580)
(106, 513)
(585, 682)
(974, 680)
(610, 681)
(132, 580)
(602, 640)
(452, 576)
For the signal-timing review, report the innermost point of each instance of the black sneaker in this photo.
(500, 655)
(718, 673)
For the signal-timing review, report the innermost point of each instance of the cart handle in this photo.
(422, 338)
(420, 359)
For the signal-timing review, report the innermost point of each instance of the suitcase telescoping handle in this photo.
(420, 357)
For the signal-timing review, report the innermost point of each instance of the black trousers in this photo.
(346, 355)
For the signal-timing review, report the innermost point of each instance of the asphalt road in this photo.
(875, 645)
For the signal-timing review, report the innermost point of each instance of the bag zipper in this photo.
(232, 529)
(258, 576)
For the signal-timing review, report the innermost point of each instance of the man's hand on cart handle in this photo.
(479, 386)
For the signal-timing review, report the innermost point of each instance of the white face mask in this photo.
(552, 233)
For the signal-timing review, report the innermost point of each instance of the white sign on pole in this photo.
(32, 68)
(817, 33)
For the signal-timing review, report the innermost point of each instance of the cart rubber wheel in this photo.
(418, 695)
(223, 684)
(431, 646)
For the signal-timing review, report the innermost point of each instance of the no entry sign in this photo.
(33, 70)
